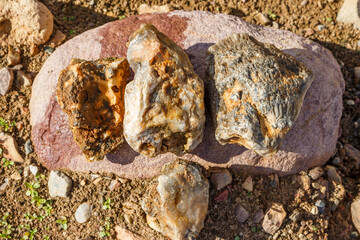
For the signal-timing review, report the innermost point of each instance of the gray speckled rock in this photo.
(176, 202)
(256, 92)
(310, 142)
(164, 105)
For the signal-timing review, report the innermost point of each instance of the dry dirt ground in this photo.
(31, 217)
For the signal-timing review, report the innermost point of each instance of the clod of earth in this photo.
(177, 201)
(256, 92)
(92, 94)
(165, 102)
(24, 21)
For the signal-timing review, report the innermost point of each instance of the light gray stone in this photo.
(28, 147)
(34, 169)
(83, 213)
(59, 184)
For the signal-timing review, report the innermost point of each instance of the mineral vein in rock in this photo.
(256, 92)
(92, 94)
(176, 202)
(164, 104)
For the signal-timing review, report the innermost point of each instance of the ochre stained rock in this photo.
(92, 94)
(256, 92)
(176, 202)
(165, 102)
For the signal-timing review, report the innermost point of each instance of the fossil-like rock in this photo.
(164, 104)
(92, 94)
(177, 201)
(255, 91)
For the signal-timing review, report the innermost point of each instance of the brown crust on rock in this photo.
(92, 94)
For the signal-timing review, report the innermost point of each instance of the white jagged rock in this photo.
(164, 104)
(177, 201)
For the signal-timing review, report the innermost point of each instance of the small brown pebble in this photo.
(19, 125)
(83, 182)
(97, 181)
(13, 56)
(34, 50)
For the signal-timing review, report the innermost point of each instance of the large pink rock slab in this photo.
(311, 141)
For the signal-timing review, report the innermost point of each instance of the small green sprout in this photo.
(5, 227)
(107, 204)
(329, 19)
(105, 230)
(6, 125)
(30, 234)
(121, 17)
(46, 237)
(63, 223)
(7, 163)
(236, 238)
(272, 15)
(72, 32)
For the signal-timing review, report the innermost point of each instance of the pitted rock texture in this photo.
(310, 142)
(24, 21)
(177, 201)
(165, 102)
(255, 92)
(92, 94)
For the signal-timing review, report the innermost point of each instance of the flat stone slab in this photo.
(311, 141)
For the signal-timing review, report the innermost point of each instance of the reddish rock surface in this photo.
(310, 142)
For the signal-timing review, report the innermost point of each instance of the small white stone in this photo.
(83, 213)
(59, 184)
(33, 169)
(5, 184)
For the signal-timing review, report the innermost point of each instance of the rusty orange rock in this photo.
(92, 94)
